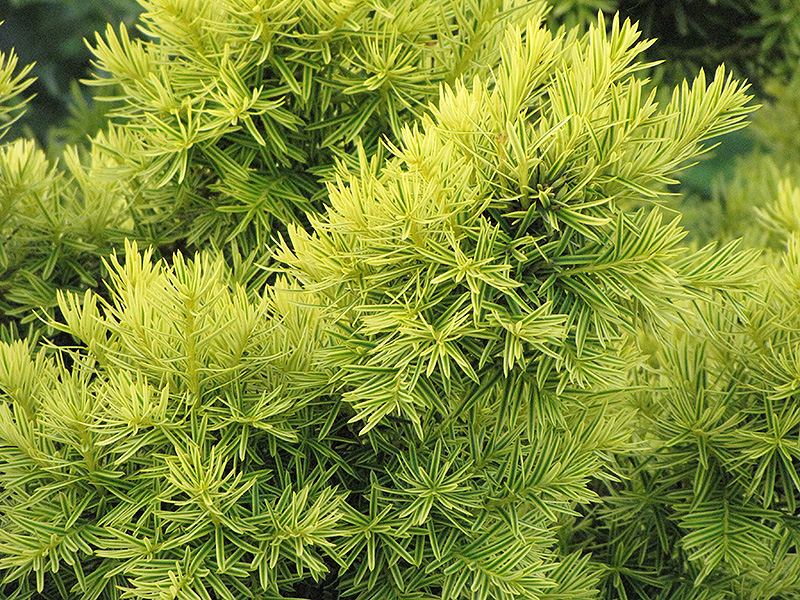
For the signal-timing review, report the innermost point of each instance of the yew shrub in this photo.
(381, 300)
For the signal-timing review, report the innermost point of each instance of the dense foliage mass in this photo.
(380, 300)
(229, 117)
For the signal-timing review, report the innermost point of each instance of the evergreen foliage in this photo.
(428, 332)
(757, 39)
(50, 35)
(230, 114)
(234, 111)
(761, 184)
(11, 85)
(719, 418)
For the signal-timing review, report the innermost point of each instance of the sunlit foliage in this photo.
(439, 338)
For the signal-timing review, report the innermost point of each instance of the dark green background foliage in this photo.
(389, 299)
(51, 34)
(755, 38)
